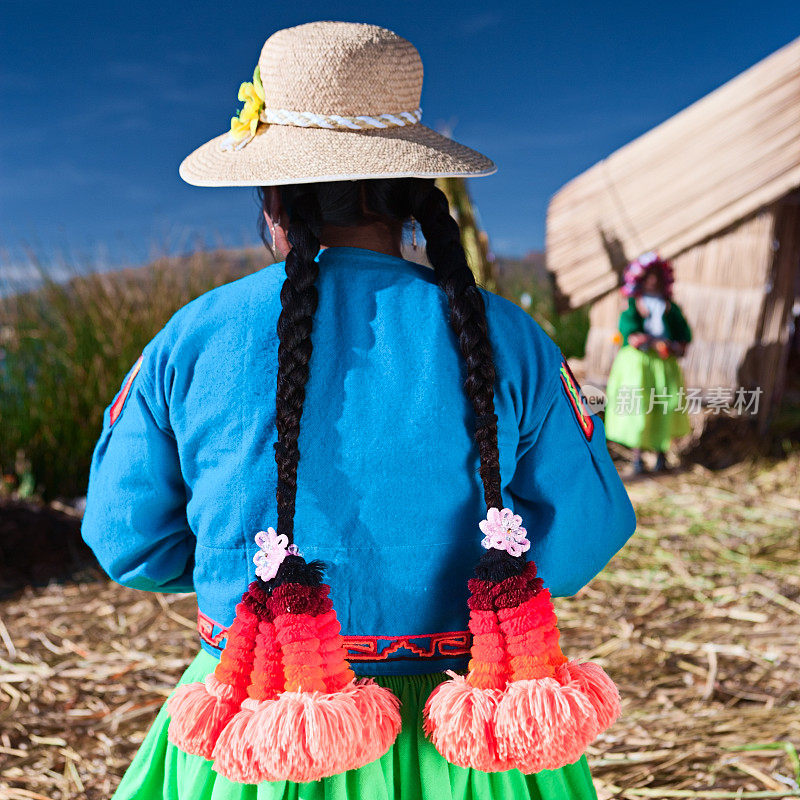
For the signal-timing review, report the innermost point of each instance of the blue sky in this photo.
(100, 102)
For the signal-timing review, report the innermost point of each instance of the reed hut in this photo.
(716, 189)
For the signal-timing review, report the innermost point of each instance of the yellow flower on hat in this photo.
(252, 95)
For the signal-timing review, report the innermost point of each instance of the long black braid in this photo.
(298, 304)
(299, 299)
(468, 320)
(348, 203)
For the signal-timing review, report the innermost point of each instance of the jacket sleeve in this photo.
(679, 327)
(630, 321)
(569, 494)
(135, 517)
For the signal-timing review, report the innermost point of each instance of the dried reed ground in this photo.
(698, 620)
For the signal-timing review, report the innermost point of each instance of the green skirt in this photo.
(411, 770)
(646, 401)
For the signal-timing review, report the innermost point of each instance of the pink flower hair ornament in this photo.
(272, 552)
(503, 531)
(638, 269)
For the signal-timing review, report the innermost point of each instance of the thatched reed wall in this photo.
(717, 162)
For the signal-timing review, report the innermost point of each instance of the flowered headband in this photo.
(639, 268)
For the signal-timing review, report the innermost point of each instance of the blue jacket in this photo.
(388, 489)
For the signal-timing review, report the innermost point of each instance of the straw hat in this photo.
(331, 101)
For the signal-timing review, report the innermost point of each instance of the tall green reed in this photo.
(66, 346)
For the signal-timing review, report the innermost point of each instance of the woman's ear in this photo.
(275, 214)
(274, 206)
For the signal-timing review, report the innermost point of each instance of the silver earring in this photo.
(413, 233)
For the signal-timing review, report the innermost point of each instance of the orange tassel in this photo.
(302, 662)
(267, 678)
(336, 670)
(200, 711)
(319, 722)
(532, 638)
(459, 714)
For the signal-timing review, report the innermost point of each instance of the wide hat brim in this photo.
(281, 154)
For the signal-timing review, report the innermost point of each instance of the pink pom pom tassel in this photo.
(379, 709)
(199, 712)
(592, 680)
(541, 724)
(322, 734)
(233, 754)
(305, 736)
(459, 719)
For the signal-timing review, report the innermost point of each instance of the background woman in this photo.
(645, 385)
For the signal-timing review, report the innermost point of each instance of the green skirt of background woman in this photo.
(645, 395)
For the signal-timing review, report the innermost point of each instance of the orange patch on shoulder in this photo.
(116, 406)
(573, 390)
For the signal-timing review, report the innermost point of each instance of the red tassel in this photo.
(521, 705)
(459, 714)
(200, 711)
(233, 753)
(319, 722)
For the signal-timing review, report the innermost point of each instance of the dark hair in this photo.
(348, 203)
(638, 270)
(661, 280)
